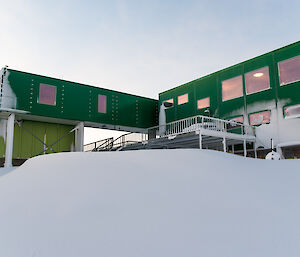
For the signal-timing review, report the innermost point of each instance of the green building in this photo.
(49, 114)
(41, 115)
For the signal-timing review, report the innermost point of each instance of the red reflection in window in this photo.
(203, 103)
(257, 80)
(292, 111)
(183, 99)
(232, 88)
(47, 94)
(102, 103)
(289, 70)
(260, 118)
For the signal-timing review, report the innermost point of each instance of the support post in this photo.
(255, 151)
(9, 140)
(79, 137)
(224, 144)
(200, 140)
(245, 149)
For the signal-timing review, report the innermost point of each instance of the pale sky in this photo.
(140, 47)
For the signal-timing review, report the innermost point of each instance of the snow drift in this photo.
(150, 203)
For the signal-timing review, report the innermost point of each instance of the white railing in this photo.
(198, 123)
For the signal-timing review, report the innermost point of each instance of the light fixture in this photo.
(258, 75)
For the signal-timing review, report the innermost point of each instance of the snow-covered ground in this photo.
(155, 203)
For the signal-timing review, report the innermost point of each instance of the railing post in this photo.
(200, 141)
(224, 144)
(245, 149)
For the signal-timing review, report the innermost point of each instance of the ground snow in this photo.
(167, 203)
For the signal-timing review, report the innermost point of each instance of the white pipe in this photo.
(9, 140)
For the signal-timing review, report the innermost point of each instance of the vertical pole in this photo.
(9, 140)
(233, 149)
(245, 149)
(255, 152)
(200, 140)
(224, 144)
(79, 137)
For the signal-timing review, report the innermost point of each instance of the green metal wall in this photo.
(211, 86)
(26, 145)
(79, 102)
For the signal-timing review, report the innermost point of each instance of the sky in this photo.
(140, 47)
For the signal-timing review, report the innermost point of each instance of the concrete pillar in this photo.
(9, 140)
(79, 137)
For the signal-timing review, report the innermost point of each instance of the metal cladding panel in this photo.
(211, 86)
(26, 145)
(79, 102)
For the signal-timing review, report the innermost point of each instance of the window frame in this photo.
(257, 113)
(184, 102)
(238, 125)
(242, 76)
(105, 104)
(259, 90)
(171, 100)
(291, 117)
(291, 82)
(203, 107)
(39, 96)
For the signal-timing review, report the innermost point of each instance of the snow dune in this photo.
(155, 203)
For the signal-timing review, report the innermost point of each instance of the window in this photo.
(203, 103)
(102, 103)
(239, 119)
(257, 80)
(232, 125)
(171, 101)
(260, 118)
(292, 111)
(232, 88)
(47, 94)
(183, 99)
(289, 70)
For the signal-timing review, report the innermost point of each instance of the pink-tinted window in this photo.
(260, 118)
(292, 111)
(239, 119)
(203, 103)
(171, 101)
(289, 70)
(47, 94)
(232, 88)
(257, 80)
(232, 125)
(102, 103)
(182, 99)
